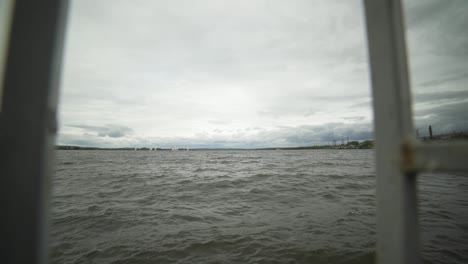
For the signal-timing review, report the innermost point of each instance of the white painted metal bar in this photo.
(28, 127)
(397, 225)
(441, 157)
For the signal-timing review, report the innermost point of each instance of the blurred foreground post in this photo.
(397, 225)
(28, 127)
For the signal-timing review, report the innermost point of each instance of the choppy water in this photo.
(306, 206)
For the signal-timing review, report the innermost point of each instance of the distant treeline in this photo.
(367, 144)
(96, 148)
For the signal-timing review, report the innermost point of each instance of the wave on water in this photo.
(237, 207)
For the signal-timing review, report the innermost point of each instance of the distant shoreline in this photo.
(367, 144)
(199, 149)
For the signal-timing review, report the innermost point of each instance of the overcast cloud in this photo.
(244, 73)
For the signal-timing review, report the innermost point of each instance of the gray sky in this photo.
(241, 73)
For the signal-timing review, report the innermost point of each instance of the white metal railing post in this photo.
(397, 225)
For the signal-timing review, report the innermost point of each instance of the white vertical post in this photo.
(397, 225)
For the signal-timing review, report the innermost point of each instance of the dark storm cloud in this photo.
(442, 24)
(306, 135)
(420, 12)
(436, 97)
(438, 44)
(285, 136)
(113, 131)
(444, 118)
(309, 135)
(437, 82)
(355, 118)
(364, 104)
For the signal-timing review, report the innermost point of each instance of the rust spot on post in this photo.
(408, 159)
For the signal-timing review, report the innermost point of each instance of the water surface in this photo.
(299, 206)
